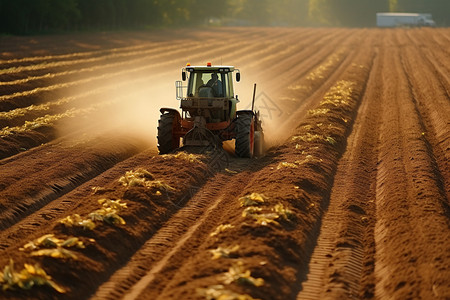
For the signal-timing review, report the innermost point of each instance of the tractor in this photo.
(208, 114)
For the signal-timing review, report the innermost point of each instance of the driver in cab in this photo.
(216, 85)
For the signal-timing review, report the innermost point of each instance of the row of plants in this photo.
(129, 209)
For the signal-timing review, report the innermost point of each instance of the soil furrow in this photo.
(412, 229)
(47, 180)
(148, 208)
(57, 208)
(342, 261)
(436, 122)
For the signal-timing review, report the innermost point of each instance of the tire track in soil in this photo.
(341, 265)
(433, 54)
(427, 85)
(411, 232)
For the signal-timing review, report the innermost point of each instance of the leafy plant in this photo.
(220, 252)
(266, 219)
(109, 212)
(278, 212)
(192, 158)
(286, 165)
(318, 73)
(318, 111)
(142, 177)
(55, 253)
(308, 137)
(252, 199)
(339, 94)
(49, 120)
(308, 159)
(283, 212)
(331, 140)
(221, 228)
(251, 211)
(136, 178)
(27, 278)
(238, 274)
(49, 245)
(77, 221)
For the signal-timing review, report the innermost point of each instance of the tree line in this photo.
(34, 16)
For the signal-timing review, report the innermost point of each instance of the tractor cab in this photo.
(209, 93)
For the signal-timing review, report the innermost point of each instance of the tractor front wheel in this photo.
(167, 141)
(245, 136)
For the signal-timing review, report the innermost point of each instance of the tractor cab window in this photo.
(208, 84)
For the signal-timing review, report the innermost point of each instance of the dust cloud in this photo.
(272, 113)
(131, 112)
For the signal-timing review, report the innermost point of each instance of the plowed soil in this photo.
(353, 188)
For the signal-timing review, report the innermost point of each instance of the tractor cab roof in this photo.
(209, 68)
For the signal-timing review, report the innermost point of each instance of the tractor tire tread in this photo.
(165, 134)
(243, 127)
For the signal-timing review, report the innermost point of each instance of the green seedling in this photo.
(221, 228)
(238, 274)
(252, 199)
(222, 252)
(29, 277)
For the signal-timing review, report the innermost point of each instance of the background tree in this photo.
(31, 16)
(319, 12)
(356, 13)
(289, 12)
(393, 5)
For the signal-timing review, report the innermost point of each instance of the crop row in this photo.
(128, 209)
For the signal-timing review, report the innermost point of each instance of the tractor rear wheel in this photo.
(245, 136)
(167, 141)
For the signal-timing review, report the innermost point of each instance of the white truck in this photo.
(404, 20)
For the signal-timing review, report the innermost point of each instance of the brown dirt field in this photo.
(356, 177)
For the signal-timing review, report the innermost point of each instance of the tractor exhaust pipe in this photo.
(254, 94)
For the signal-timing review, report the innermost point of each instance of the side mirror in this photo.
(183, 76)
(238, 77)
